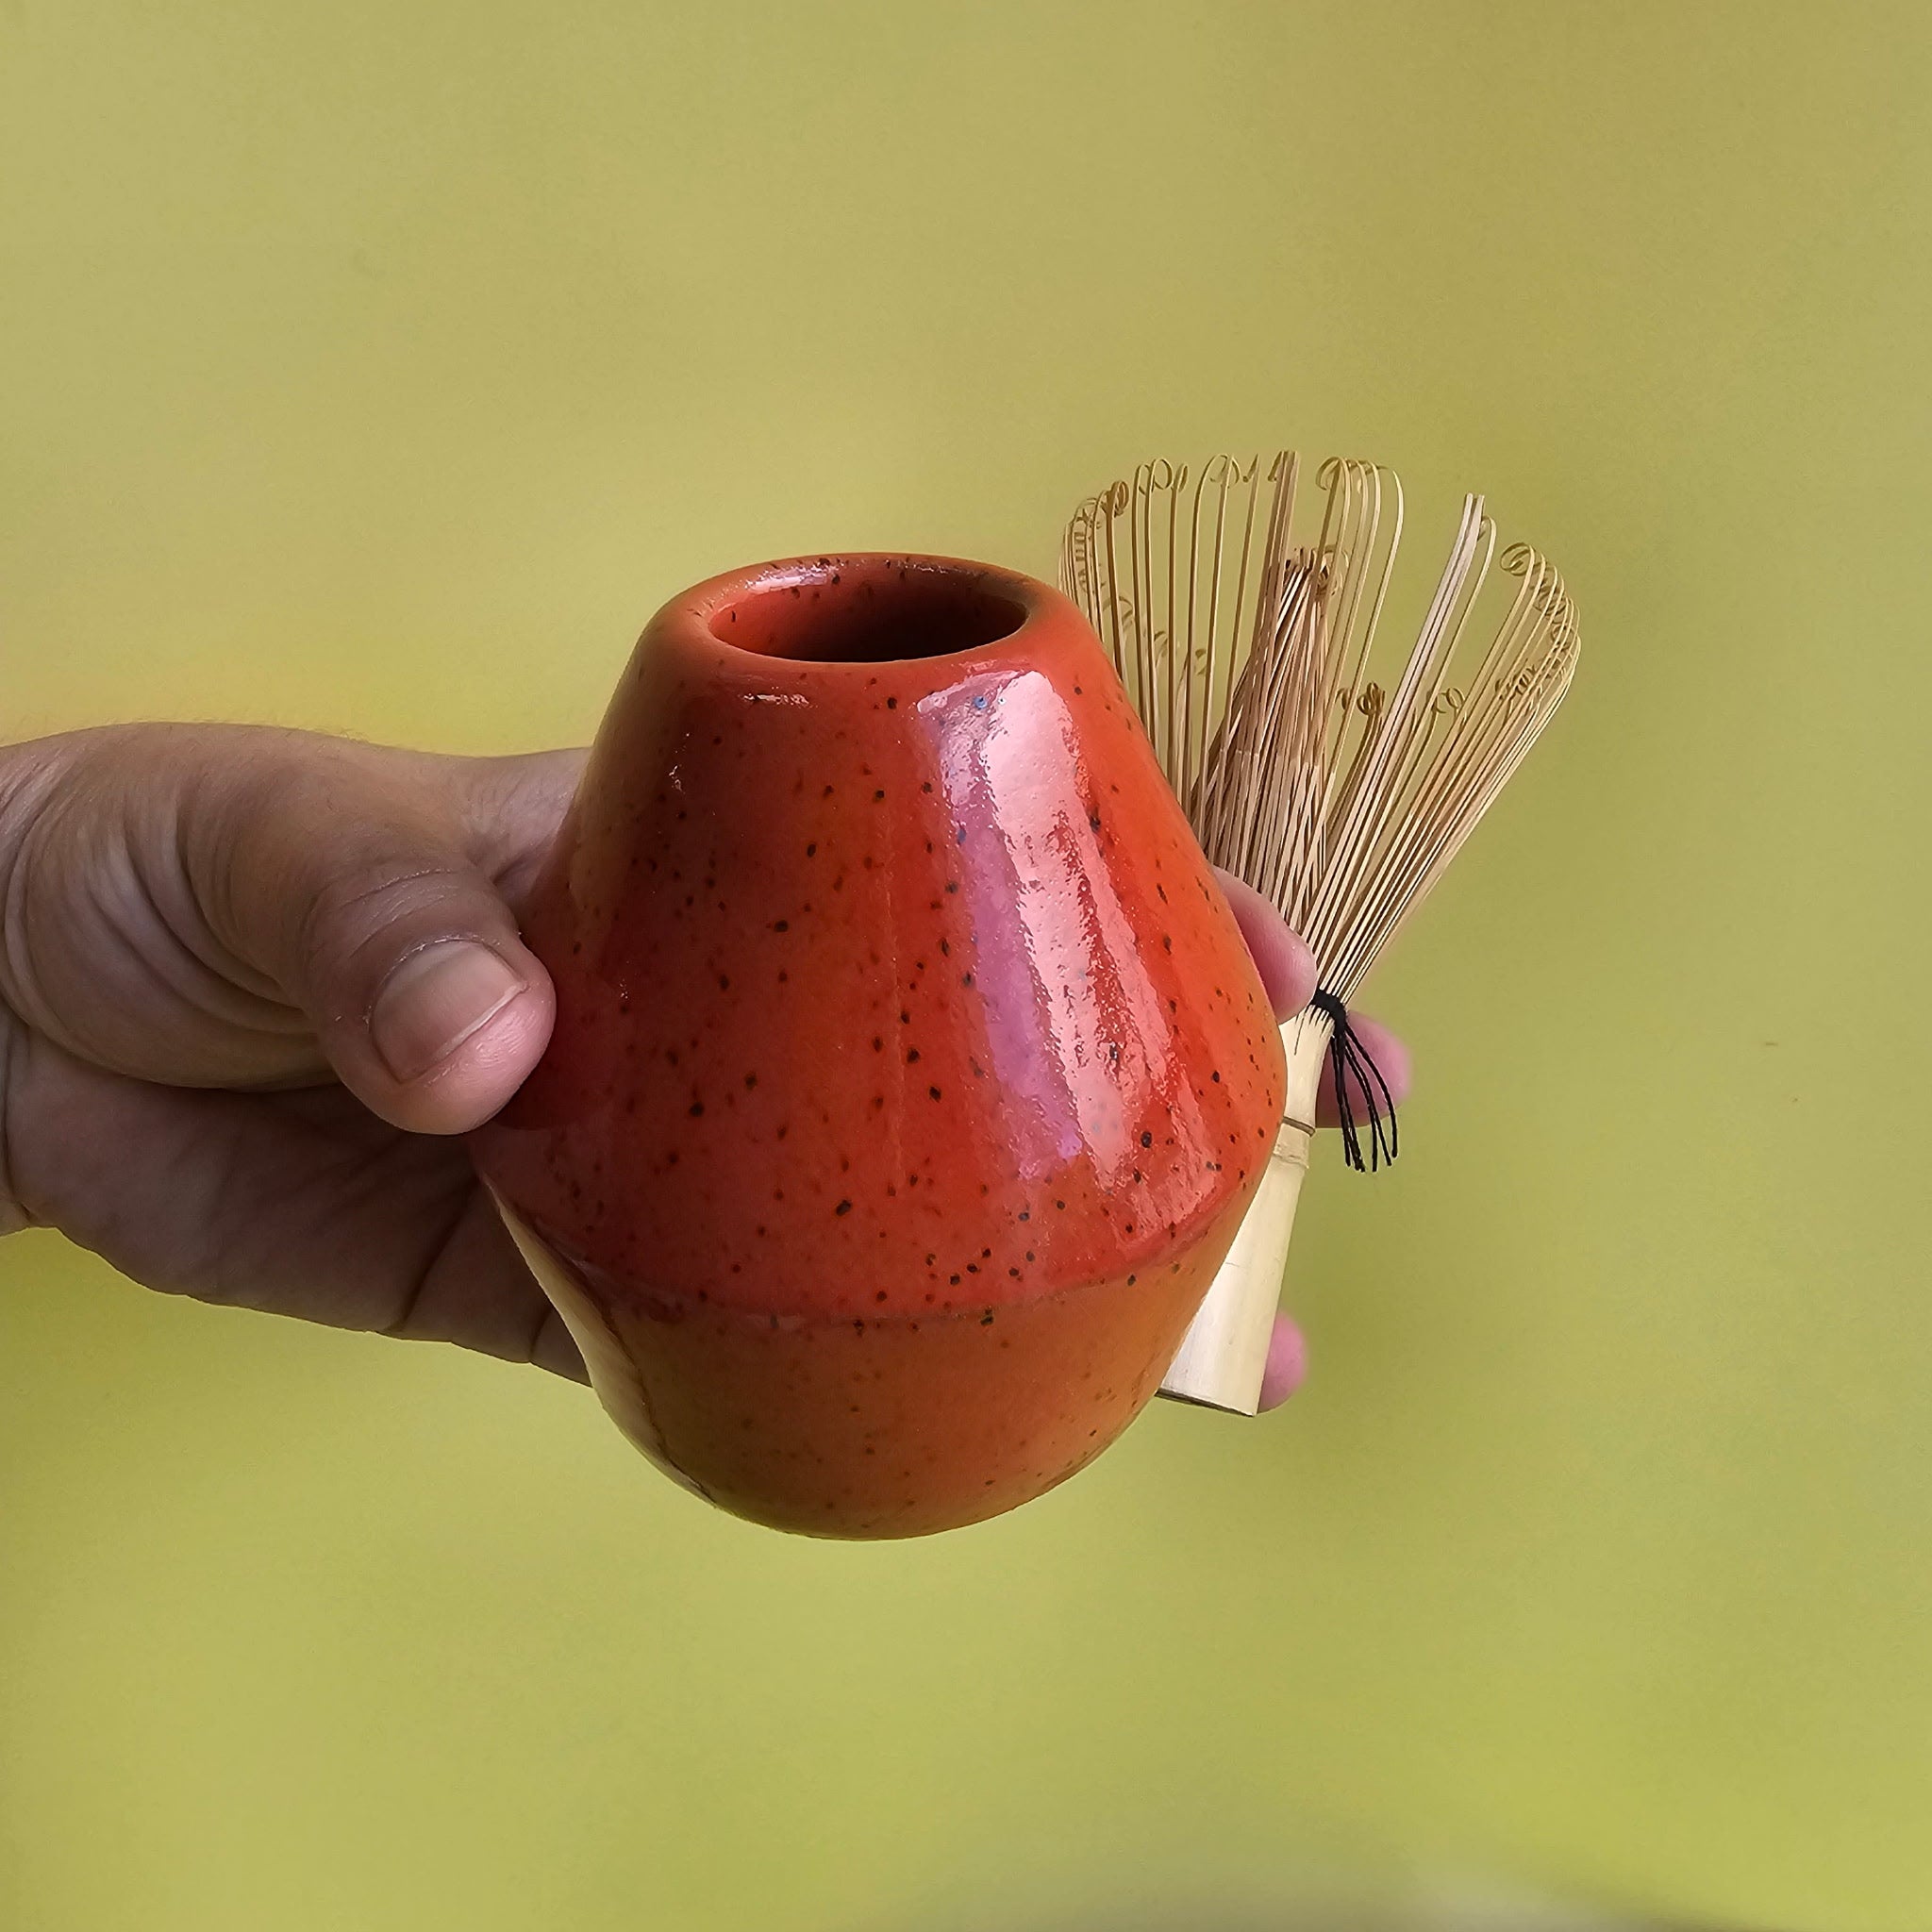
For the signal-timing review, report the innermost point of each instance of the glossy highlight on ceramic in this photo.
(909, 1076)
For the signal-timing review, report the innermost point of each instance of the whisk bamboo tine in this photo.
(1343, 797)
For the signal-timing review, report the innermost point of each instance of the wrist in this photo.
(29, 774)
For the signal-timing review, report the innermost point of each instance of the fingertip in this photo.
(1287, 1363)
(1282, 960)
(1388, 1054)
(457, 1028)
(555, 1349)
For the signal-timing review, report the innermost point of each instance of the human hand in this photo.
(251, 984)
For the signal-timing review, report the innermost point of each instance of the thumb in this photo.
(351, 878)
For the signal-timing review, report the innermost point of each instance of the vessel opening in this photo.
(868, 611)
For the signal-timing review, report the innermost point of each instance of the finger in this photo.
(295, 1203)
(349, 879)
(477, 1293)
(513, 807)
(1287, 1363)
(555, 1349)
(1286, 965)
(1391, 1061)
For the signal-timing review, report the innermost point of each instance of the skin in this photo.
(239, 1024)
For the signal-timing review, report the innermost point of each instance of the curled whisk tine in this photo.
(1340, 789)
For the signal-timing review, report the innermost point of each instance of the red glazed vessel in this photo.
(910, 1076)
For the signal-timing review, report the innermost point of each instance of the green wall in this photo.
(381, 366)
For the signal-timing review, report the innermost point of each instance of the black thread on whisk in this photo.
(1349, 1059)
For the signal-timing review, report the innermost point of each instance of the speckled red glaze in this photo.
(910, 1076)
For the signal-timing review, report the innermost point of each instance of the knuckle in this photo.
(354, 926)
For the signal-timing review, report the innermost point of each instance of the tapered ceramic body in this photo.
(909, 1077)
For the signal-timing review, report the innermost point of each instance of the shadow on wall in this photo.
(1305, 1915)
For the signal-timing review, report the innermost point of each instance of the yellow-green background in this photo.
(380, 364)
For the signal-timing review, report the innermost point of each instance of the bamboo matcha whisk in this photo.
(1339, 789)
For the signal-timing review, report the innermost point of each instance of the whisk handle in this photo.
(1224, 1352)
